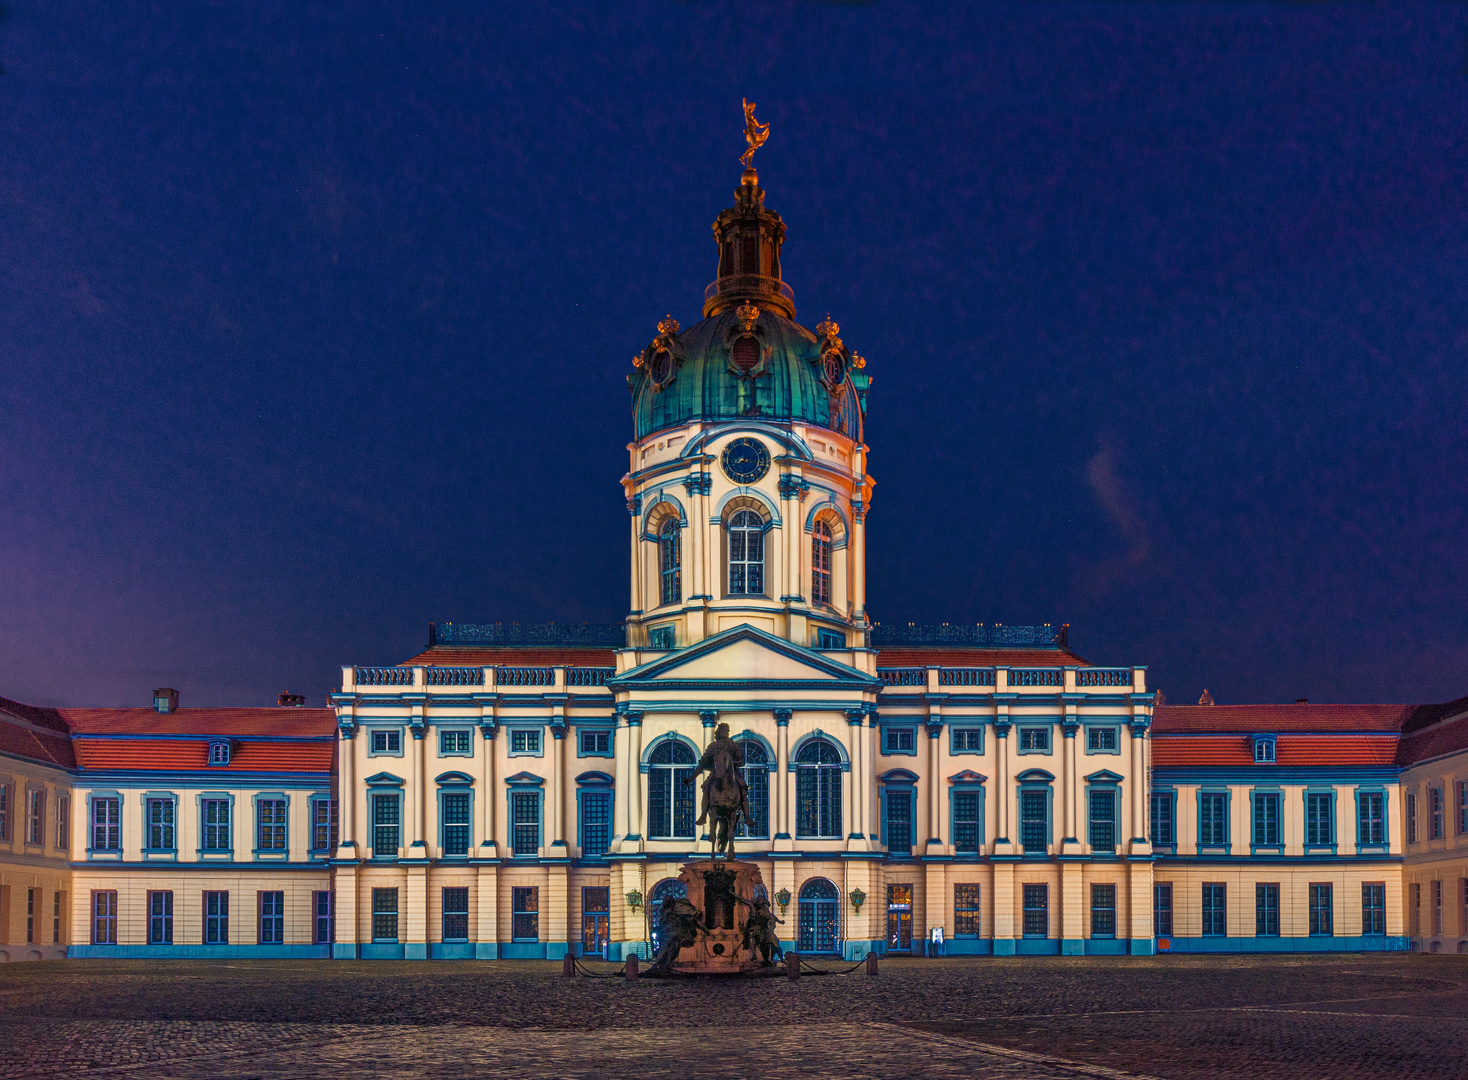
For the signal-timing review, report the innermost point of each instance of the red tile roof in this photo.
(951, 657)
(35, 715)
(278, 722)
(1213, 751)
(469, 656)
(1427, 715)
(24, 741)
(171, 755)
(1245, 719)
(1443, 738)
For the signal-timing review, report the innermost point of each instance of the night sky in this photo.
(315, 323)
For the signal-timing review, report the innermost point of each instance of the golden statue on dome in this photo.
(755, 134)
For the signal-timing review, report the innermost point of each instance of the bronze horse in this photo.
(725, 795)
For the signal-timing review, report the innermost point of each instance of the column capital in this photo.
(782, 716)
(854, 717)
(633, 717)
(710, 717)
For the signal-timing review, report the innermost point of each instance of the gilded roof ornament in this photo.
(755, 133)
(668, 325)
(747, 314)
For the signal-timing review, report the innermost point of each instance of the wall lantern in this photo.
(634, 899)
(783, 899)
(858, 898)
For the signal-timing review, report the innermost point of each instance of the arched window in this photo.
(668, 888)
(818, 917)
(757, 779)
(746, 554)
(818, 791)
(669, 799)
(670, 562)
(820, 563)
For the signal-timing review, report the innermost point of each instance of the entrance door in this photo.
(596, 919)
(899, 918)
(818, 917)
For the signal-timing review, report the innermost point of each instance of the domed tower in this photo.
(748, 484)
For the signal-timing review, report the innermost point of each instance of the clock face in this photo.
(745, 460)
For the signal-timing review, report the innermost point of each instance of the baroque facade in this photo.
(524, 792)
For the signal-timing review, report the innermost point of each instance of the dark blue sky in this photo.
(316, 320)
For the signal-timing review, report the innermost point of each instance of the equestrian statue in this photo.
(725, 794)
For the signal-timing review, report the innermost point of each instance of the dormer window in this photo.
(1264, 749)
(219, 752)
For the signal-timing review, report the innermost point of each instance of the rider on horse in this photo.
(724, 790)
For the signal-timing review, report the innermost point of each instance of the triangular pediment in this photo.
(744, 654)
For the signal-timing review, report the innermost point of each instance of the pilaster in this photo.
(783, 841)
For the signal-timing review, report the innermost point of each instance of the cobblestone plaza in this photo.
(1361, 1016)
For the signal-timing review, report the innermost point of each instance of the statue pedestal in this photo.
(712, 886)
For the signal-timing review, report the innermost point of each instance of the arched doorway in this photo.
(818, 917)
(667, 888)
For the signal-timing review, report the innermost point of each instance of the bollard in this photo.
(871, 963)
(568, 965)
(792, 964)
(632, 968)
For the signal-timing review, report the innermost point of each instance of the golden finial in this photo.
(747, 313)
(755, 133)
(668, 325)
(858, 362)
(828, 328)
(637, 360)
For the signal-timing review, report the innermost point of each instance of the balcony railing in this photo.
(611, 636)
(1104, 676)
(1044, 676)
(454, 676)
(384, 676)
(588, 676)
(966, 676)
(898, 676)
(525, 676)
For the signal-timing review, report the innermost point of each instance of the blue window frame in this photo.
(1371, 818)
(596, 823)
(456, 913)
(670, 562)
(106, 823)
(661, 637)
(1215, 909)
(104, 917)
(160, 818)
(455, 742)
(820, 566)
(1462, 789)
(219, 751)
(829, 639)
(1034, 820)
(818, 791)
(1103, 739)
(272, 918)
(1036, 910)
(1163, 806)
(1264, 749)
(757, 781)
(525, 824)
(966, 740)
(968, 820)
(214, 814)
(385, 742)
(1213, 819)
(1103, 910)
(525, 913)
(216, 918)
(594, 742)
(1034, 740)
(1322, 910)
(160, 918)
(818, 917)
(1102, 806)
(1266, 819)
(670, 798)
(385, 915)
(454, 810)
(746, 542)
(1373, 908)
(386, 825)
(1319, 819)
(1162, 909)
(899, 740)
(967, 922)
(1266, 910)
(323, 907)
(323, 824)
(270, 824)
(1436, 813)
(525, 742)
(897, 824)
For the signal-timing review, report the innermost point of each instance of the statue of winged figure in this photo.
(755, 133)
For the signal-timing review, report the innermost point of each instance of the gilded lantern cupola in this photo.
(749, 239)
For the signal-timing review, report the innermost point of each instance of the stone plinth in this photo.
(712, 886)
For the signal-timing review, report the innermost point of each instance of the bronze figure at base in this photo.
(723, 927)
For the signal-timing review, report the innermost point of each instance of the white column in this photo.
(557, 829)
(782, 774)
(1072, 788)
(935, 788)
(634, 775)
(1003, 797)
(488, 793)
(858, 560)
(346, 746)
(414, 796)
(860, 782)
(622, 796)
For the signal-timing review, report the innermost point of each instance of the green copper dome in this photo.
(748, 359)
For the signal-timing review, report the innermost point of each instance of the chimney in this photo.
(291, 701)
(1302, 701)
(165, 699)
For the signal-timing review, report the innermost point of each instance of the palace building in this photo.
(521, 792)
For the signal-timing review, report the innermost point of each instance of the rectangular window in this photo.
(596, 742)
(1163, 818)
(899, 821)
(1036, 900)
(1319, 819)
(63, 822)
(898, 740)
(272, 918)
(216, 918)
(271, 815)
(219, 753)
(387, 742)
(1034, 821)
(829, 639)
(1462, 906)
(160, 918)
(1373, 908)
(596, 823)
(1103, 820)
(160, 825)
(386, 825)
(456, 914)
(455, 741)
(323, 825)
(32, 901)
(525, 741)
(525, 913)
(596, 919)
(1436, 814)
(1462, 788)
(385, 915)
(1414, 908)
(966, 922)
(1371, 823)
(1266, 911)
(899, 919)
(1215, 914)
(216, 825)
(1100, 739)
(1034, 740)
(106, 824)
(660, 637)
(1437, 907)
(1263, 751)
(968, 740)
(35, 832)
(1411, 818)
(104, 917)
(4, 811)
(1266, 820)
(323, 910)
(1322, 911)
(1162, 909)
(1213, 819)
(58, 901)
(455, 822)
(1103, 910)
(525, 823)
(968, 822)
